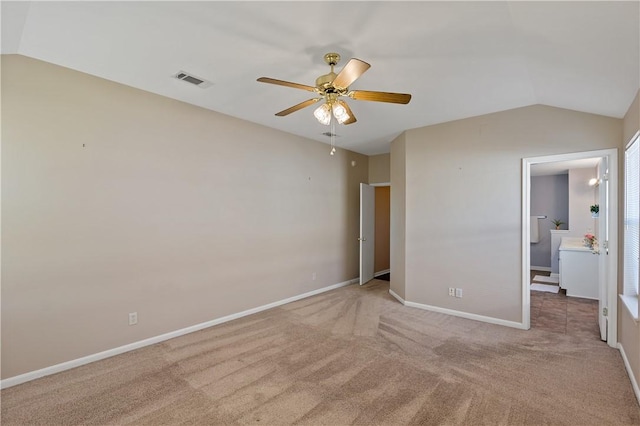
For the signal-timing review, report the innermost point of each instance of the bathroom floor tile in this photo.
(559, 313)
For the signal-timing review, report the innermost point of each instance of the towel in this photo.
(543, 279)
(545, 287)
(535, 232)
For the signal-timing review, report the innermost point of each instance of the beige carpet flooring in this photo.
(349, 356)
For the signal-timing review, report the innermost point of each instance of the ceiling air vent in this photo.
(190, 78)
(329, 134)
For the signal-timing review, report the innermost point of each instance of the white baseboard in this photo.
(466, 315)
(634, 383)
(555, 275)
(455, 313)
(386, 271)
(541, 268)
(394, 294)
(32, 375)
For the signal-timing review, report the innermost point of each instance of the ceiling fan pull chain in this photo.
(333, 136)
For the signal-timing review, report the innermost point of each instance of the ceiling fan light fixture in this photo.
(323, 114)
(340, 112)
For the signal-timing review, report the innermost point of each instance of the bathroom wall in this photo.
(549, 197)
(581, 197)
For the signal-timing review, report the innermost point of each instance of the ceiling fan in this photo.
(330, 87)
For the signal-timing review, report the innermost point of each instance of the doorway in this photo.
(606, 224)
(382, 257)
(375, 227)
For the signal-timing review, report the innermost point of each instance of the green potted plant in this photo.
(595, 210)
(557, 223)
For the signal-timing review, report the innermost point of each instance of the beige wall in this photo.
(379, 168)
(463, 202)
(628, 329)
(115, 200)
(632, 120)
(629, 340)
(397, 255)
(382, 218)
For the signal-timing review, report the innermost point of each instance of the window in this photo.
(632, 226)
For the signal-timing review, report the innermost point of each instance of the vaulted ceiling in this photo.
(457, 59)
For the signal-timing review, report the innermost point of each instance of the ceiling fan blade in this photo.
(354, 69)
(352, 117)
(367, 95)
(286, 83)
(298, 106)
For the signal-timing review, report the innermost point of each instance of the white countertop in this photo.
(573, 244)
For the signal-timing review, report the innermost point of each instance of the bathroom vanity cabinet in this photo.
(578, 269)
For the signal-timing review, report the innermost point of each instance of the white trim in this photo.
(455, 313)
(555, 275)
(612, 290)
(386, 271)
(541, 268)
(526, 242)
(631, 303)
(466, 315)
(633, 138)
(380, 184)
(32, 375)
(634, 383)
(394, 294)
(571, 156)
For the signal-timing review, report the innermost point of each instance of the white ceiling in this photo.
(458, 59)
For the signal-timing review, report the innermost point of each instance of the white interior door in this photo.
(367, 232)
(603, 231)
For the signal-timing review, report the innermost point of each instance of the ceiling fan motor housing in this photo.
(323, 83)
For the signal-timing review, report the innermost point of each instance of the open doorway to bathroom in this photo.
(566, 284)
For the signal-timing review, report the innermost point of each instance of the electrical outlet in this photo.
(133, 318)
(452, 291)
(458, 292)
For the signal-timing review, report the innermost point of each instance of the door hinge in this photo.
(605, 312)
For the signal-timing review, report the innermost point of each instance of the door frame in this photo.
(360, 243)
(367, 257)
(604, 188)
(376, 274)
(612, 272)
